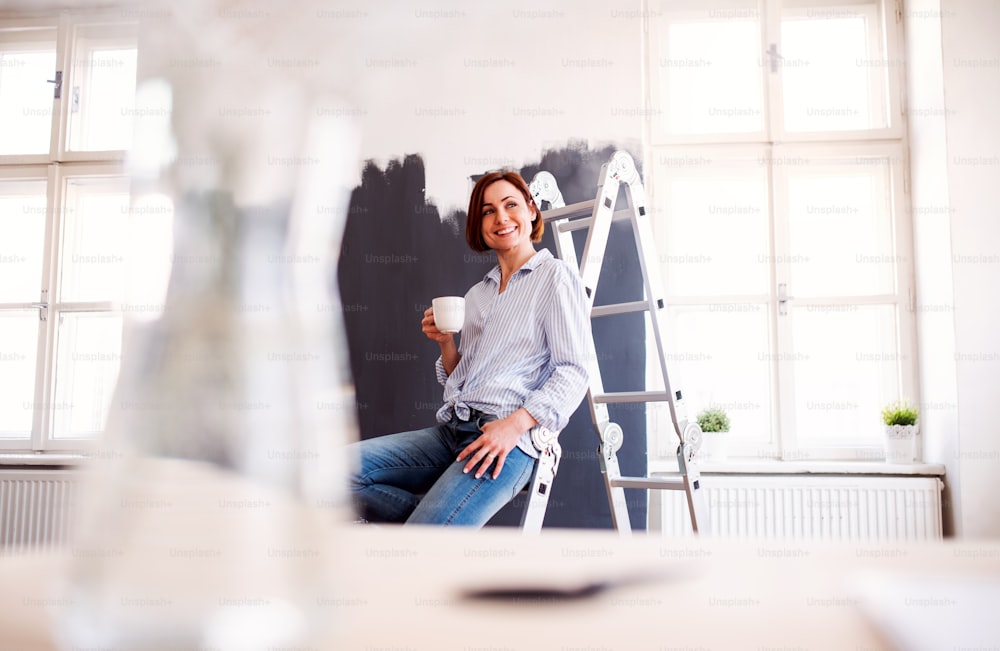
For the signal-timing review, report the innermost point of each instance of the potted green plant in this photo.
(900, 419)
(714, 423)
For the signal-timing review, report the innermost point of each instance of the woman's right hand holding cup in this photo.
(430, 328)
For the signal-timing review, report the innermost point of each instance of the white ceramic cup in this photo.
(449, 313)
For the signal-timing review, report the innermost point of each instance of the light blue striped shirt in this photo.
(527, 347)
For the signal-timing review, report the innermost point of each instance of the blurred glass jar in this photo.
(205, 522)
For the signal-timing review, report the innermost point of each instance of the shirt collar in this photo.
(532, 263)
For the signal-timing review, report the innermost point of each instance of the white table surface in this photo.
(199, 543)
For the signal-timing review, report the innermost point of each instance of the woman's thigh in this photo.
(409, 460)
(457, 498)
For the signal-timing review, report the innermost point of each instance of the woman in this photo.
(521, 361)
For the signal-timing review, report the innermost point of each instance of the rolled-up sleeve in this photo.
(566, 326)
(442, 375)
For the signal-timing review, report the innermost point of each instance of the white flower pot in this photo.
(900, 443)
(714, 446)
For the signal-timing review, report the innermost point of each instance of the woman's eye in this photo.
(512, 205)
(488, 211)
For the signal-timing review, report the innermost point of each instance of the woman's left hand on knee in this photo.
(492, 447)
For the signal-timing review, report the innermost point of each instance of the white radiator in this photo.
(854, 508)
(35, 508)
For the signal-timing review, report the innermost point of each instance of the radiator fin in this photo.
(852, 508)
(35, 509)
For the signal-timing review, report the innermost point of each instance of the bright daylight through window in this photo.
(77, 249)
(777, 166)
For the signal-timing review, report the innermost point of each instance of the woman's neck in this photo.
(512, 260)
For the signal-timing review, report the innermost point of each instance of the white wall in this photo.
(931, 209)
(954, 77)
(468, 86)
(473, 87)
(972, 89)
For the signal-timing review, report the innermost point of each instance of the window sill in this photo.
(774, 467)
(36, 459)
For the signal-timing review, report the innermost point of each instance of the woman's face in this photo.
(506, 217)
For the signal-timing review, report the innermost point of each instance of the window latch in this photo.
(58, 82)
(773, 57)
(43, 306)
(783, 298)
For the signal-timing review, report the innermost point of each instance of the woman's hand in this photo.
(497, 440)
(430, 328)
(449, 351)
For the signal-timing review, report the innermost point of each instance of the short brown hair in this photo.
(474, 221)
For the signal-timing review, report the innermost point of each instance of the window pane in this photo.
(717, 356)
(834, 71)
(25, 95)
(88, 356)
(712, 227)
(840, 229)
(846, 368)
(103, 93)
(18, 343)
(94, 240)
(707, 74)
(22, 233)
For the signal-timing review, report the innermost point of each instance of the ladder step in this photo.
(660, 483)
(582, 209)
(633, 396)
(579, 224)
(619, 308)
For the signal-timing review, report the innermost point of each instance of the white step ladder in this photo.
(597, 215)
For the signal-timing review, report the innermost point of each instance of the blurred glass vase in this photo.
(201, 528)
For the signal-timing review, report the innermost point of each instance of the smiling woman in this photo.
(503, 197)
(521, 362)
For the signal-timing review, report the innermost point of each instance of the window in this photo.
(777, 174)
(76, 248)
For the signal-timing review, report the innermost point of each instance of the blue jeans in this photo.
(396, 469)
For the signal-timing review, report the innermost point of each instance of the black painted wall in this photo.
(398, 254)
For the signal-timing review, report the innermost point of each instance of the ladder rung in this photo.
(661, 483)
(619, 308)
(582, 209)
(579, 224)
(633, 396)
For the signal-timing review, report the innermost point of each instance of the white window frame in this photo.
(34, 173)
(902, 298)
(62, 152)
(775, 141)
(56, 168)
(25, 26)
(773, 130)
(659, 417)
(658, 135)
(60, 175)
(893, 56)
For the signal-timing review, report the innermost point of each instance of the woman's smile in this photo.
(506, 218)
